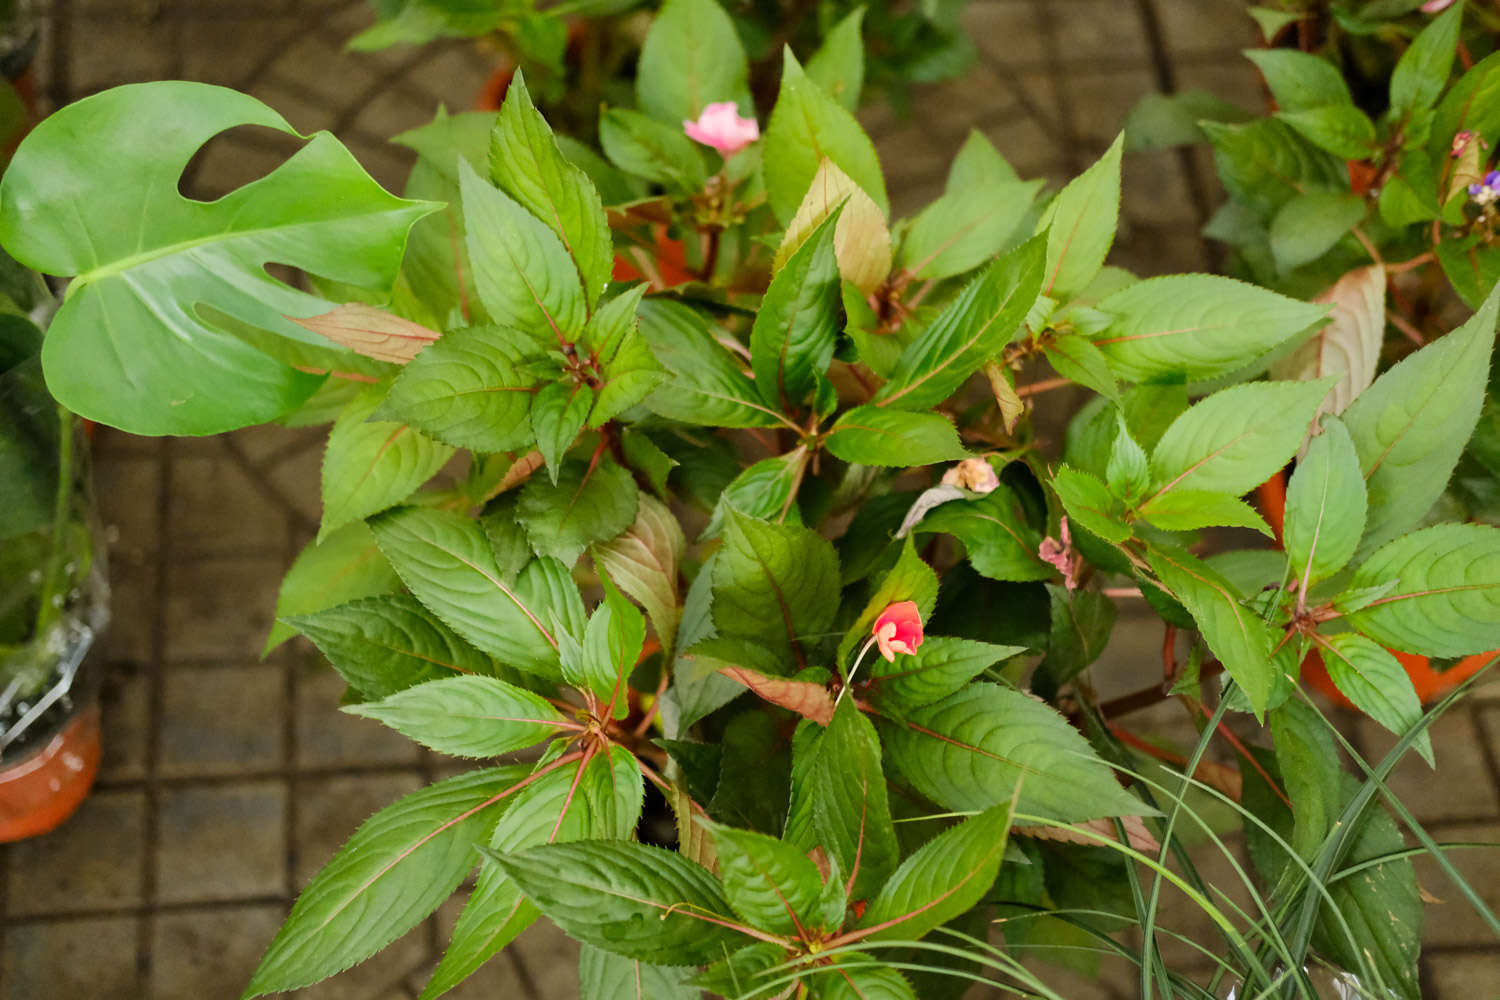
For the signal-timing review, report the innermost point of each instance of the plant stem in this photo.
(849, 681)
(51, 593)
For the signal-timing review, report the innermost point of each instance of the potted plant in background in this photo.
(803, 462)
(52, 583)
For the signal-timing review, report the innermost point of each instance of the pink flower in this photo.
(1436, 6)
(721, 127)
(898, 629)
(1061, 555)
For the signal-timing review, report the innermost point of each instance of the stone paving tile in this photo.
(220, 608)
(327, 737)
(132, 613)
(75, 958)
(217, 843)
(92, 862)
(373, 978)
(1464, 788)
(211, 494)
(197, 954)
(1465, 977)
(1090, 30)
(218, 720)
(330, 810)
(299, 478)
(1454, 922)
(126, 723)
(128, 488)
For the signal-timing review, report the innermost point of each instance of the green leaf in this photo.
(691, 57)
(585, 505)
(627, 371)
(1081, 623)
(840, 799)
(1309, 225)
(1076, 357)
(466, 716)
(859, 977)
(874, 435)
(643, 560)
(1340, 129)
(807, 125)
(1189, 510)
(436, 266)
(399, 865)
(1196, 326)
(755, 765)
(446, 561)
(643, 146)
(942, 879)
(1382, 906)
(939, 667)
(602, 976)
(611, 647)
(966, 227)
(1080, 225)
(558, 413)
(978, 162)
(707, 385)
(839, 64)
(1299, 80)
(1265, 163)
(130, 345)
(1169, 121)
(970, 750)
(385, 644)
(1325, 505)
(1471, 265)
(1377, 684)
(797, 327)
(522, 271)
(1470, 104)
(1128, 473)
(1089, 502)
(345, 566)
(575, 802)
(471, 389)
(1308, 759)
(1422, 71)
(646, 458)
(1232, 441)
(1271, 20)
(1410, 426)
(764, 490)
(372, 464)
(778, 583)
(527, 165)
(771, 885)
(1447, 601)
(1000, 544)
(975, 327)
(630, 899)
(1240, 640)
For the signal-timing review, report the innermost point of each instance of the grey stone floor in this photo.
(228, 781)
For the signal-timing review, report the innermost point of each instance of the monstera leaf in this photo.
(159, 332)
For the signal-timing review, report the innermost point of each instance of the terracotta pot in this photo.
(41, 790)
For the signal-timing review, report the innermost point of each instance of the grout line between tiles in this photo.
(155, 711)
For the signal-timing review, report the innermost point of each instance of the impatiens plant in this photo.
(679, 467)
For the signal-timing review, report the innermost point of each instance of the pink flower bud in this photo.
(1061, 556)
(898, 629)
(721, 127)
(973, 474)
(1436, 6)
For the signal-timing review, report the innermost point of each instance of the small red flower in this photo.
(898, 629)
